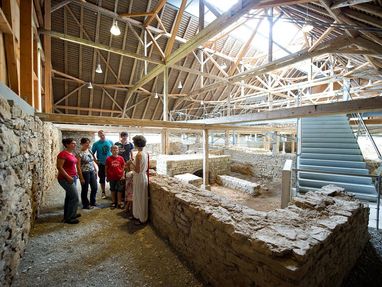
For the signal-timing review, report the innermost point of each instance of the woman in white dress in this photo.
(140, 181)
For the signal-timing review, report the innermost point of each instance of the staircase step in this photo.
(325, 134)
(335, 177)
(317, 139)
(318, 129)
(357, 188)
(344, 157)
(315, 121)
(330, 145)
(361, 196)
(335, 169)
(325, 150)
(333, 163)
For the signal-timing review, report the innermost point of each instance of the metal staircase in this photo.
(329, 154)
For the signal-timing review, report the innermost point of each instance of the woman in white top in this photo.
(140, 181)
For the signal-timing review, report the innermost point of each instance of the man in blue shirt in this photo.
(102, 149)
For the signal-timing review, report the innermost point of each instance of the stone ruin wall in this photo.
(253, 163)
(28, 149)
(315, 241)
(173, 165)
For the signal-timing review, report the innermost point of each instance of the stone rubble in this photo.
(239, 184)
(28, 149)
(190, 178)
(315, 241)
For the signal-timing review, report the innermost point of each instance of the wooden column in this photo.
(26, 51)
(11, 49)
(48, 98)
(286, 183)
(205, 161)
(36, 99)
(293, 146)
(165, 141)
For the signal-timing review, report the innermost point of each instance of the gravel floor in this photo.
(104, 249)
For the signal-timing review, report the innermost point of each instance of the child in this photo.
(114, 169)
(129, 191)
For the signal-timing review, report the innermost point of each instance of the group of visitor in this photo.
(113, 163)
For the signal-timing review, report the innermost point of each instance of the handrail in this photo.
(361, 121)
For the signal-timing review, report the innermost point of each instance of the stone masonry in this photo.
(28, 149)
(239, 184)
(315, 241)
(178, 164)
(264, 165)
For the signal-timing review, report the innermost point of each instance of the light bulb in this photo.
(306, 28)
(180, 85)
(115, 29)
(202, 103)
(156, 95)
(349, 65)
(223, 66)
(99, 69)
(90, 86)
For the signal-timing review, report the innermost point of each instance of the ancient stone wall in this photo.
(258, 164)
(178, 164)
(315, 241)
(78, 135)
(28, 149)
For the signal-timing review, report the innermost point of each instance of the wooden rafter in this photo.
(175, 28)
(98, 46)
(156, 10)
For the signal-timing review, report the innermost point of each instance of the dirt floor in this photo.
(106, 249)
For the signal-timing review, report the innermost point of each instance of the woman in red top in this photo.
(67, 177)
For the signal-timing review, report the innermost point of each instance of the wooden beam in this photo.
(86, 109)
(98, 46)
(362, 17)
(11, 49)
(156, 10)
(97, 120)
(60, 5)
(332, 46)
(136, 14)
(231, 16)
(363, 105)
(26, 51)
(377, 121)
(5, 27)
(175, 28)
(345, 3)
(48, 98)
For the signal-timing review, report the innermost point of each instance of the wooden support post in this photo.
(165, 141)
(283, 147)
(26, 51)
(48, 99)
(293, 146)
(226, 142)
(286, 183)
(201, 15)
(205, 161)
(36, 99)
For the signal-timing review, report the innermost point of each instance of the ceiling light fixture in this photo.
(349, 65)
(115, 29)
(180, 86)
(156, 95)
(99, 69)
(202, 103)
(223, 66)
(90, 86)
(306, 28)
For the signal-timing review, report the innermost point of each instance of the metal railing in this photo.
(377, 183)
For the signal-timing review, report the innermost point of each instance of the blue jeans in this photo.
(90, 178)
(71, 199)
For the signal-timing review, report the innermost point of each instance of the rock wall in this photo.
(28, 149)
(178, 164)
(78, 135)
(315, 241)
(258, 164)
